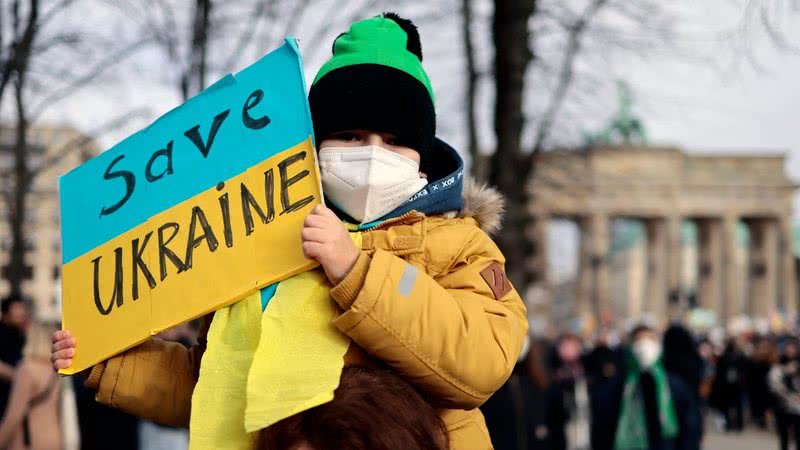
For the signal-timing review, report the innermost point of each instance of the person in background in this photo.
(647, 408)
(604, 361)
(100, 424)
(13, 322)
(682, 358)
(706, 351)
(568, 409)
(758, 369)
(784, 383)
(372, 409)
(31, 420)
(516, 413)
(729, 386)
(155, 436)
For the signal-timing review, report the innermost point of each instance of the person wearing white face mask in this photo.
(423, 289)
(646, 408)
(366, 174)
(417, 283)
(415, 280)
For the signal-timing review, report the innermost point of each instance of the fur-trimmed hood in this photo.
(484, 204)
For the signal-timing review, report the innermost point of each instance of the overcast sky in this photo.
(731, 108)
(730, 105)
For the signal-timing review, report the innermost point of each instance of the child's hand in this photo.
(63, 349)
(326, 240)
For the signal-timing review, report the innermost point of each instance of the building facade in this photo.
(663, 189)
(52, 151)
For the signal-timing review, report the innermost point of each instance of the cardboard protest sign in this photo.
(196, 211)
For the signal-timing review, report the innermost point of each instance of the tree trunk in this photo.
(17, 270)
(510, 168)
(479, 166)
(194, 77)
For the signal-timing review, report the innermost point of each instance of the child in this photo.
(425, 294)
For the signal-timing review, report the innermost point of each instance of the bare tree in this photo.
(552, 76)
(35, 36)
(471, 91)
(550, 60)
(566, 72)
(24, 30)
(509, 163)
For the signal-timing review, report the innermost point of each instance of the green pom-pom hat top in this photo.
(377, 40)
(375, 81)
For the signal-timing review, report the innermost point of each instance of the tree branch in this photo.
(471, 90)
(566, 73)
(86, 78)
(80, 141)
(248, 33)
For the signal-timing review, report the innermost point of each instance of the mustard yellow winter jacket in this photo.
(427, 296)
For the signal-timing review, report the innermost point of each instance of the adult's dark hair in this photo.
(5, 305)
(641, 328)
(534, 365)
(372, 409)
(681, 356)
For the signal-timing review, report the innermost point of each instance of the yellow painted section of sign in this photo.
(244, 233)
(99, 336)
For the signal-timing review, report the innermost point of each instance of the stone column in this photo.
(763, 267)
(599, 242)
(538, 300)
(656, 293)
(787, 276)
(583, 282)
(709, 267)
(674, 255)
(592, 288)
(730, 273)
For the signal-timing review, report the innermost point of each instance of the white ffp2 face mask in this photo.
(368, 182)
(647, 352)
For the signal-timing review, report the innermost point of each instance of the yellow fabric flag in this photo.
(219, 398)
(300, 357)
(261, 368)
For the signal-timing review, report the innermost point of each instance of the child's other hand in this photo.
(326, 240)
(63, 349)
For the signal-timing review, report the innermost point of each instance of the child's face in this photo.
(358, 138)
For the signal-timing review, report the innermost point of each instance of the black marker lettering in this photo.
(148, 169)
(138, 263)
(225, 207)
(130, 183)
(252, 101)
(286, 205)
(164, 252)
(249, 201)
(194, 133)
(116, 297)
(194, 242)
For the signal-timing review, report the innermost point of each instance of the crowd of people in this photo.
(575, 393)
(642, 391)
(43, 411)
(420, 291)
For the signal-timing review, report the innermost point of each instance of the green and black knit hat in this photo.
(375, 81)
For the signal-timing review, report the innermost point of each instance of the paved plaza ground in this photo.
(749, 440)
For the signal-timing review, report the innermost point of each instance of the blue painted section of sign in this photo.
(85, 191)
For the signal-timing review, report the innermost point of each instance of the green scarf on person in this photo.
(632, 427)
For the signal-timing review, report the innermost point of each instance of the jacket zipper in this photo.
(401, 220)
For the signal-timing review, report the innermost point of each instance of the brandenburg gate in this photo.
(663, 187)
